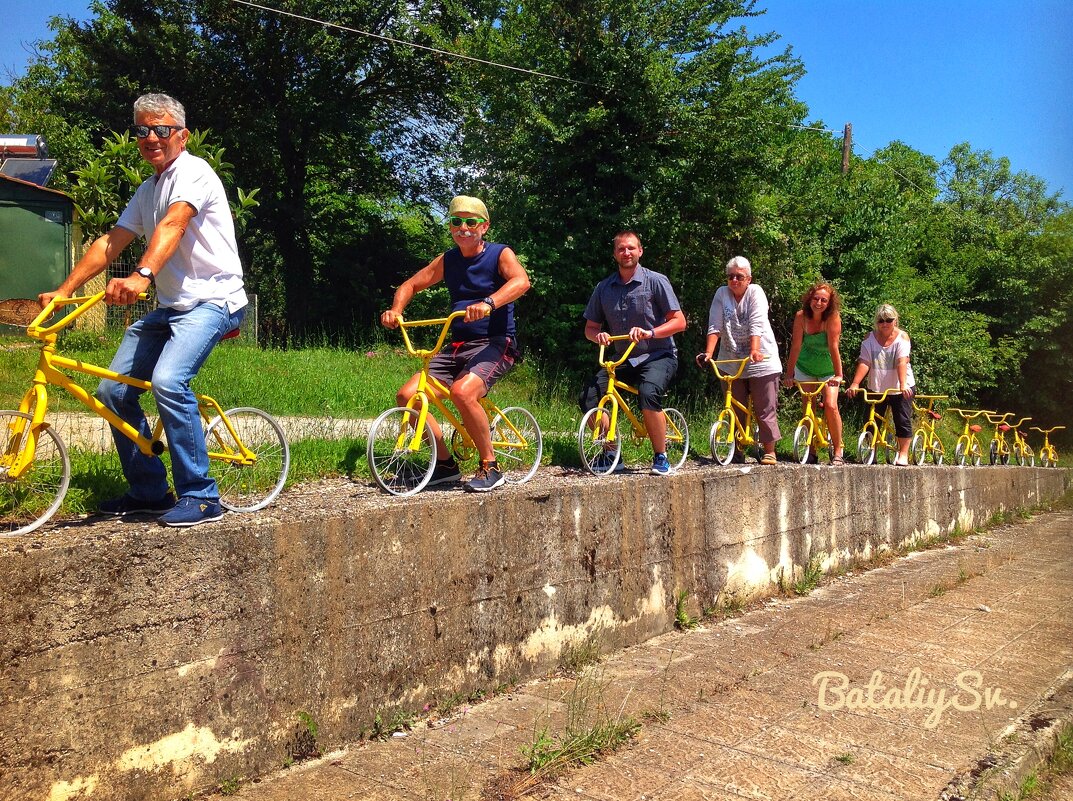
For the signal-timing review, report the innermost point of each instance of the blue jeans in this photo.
(167, 347)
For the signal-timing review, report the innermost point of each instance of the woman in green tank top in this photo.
(814, 354)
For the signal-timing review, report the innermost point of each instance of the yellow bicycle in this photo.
(729, 435)
(599, 436)
(926, 439)
(1022, 451)
(999, 449)
(968, 447)
(402, 449)
(248, 452)
(811, 433)
(1048, 456)
(877, 437)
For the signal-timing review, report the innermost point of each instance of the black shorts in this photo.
(651, 379)
(489, 359)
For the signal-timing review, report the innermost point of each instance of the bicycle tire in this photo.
(1045, 458)
(1031, 456)
(396, 468)
(592, 444)
(677, 438)
(977, 455)
(518, 444)
(992, 452)
(754, 432)
(916, 448)
(721, 439)
(938, 452)
(802, 441)
(248, 487)
(28, 502)
(866, 450)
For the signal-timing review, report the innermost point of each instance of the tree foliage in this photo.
(663, 116)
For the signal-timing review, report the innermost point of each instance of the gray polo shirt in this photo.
(645, 301)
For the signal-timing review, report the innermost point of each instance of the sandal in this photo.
(768, 458)
(837, 461)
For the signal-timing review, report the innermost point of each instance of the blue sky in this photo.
(995, 73)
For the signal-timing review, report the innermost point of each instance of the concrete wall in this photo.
(141, 662)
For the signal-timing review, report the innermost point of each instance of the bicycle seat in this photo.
(976, 429)
(1003, 427)
(934, 415)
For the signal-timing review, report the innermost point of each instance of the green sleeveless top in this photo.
(815, 358)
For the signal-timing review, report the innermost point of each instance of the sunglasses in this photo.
(736, 277)
(472, 222)
(885, 320)
(162, 131)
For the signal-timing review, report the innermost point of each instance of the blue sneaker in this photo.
(129, 505)
(660, 465)
(193, 512)
(602, 464)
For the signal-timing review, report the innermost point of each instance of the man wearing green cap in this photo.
(484, 279)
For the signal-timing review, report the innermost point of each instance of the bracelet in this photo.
(651, 333)
(491, 303)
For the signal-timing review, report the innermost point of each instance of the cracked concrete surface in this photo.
(744, 714)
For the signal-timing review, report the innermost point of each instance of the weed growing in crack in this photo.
(683, 621)
(810, 577)
(581, 652)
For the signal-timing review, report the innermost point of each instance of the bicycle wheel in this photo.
(938, 453)
(30, 500)
(866, 449)
(916, 448)
(396, 467)
(677, 438)
(976, 455)
(802, 441)
(1045, 458)
(1030, 455)
(961, 451)
(248, 487)
(518, 444)
(598, 455)
(721, 439)
(1019, 456)
(992, 452)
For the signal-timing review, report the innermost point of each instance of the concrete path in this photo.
(736, 709)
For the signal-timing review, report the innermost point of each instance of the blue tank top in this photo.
(469, 280)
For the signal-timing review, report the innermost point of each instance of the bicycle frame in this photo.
(925, 438)
(1019, 447)
(431, 390)
(878, 432)
(738, 434)
(600, 438)
(999, 449)
(1048, 455)
(811, 433)
(968, 447)
(35, 401)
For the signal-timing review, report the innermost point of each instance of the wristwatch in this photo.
(491, 303)
(145, 272)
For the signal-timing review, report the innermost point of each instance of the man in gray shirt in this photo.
(640, 303)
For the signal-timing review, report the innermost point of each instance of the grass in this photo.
(811, 576)
(683, 621)
(581, 652)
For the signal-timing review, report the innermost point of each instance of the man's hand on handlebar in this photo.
(702, 359)
(46, 297)
(477, 311)
(125, 291)
(389, 319)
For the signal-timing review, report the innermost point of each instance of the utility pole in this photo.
(847, 146)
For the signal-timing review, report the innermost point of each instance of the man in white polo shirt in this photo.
(192, 257)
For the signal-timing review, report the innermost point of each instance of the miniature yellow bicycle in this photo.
(811, 433)
(926, 439)
(999, 449)
(729, 435)
(599, 436)
(968, 447)
(1022, 451)
(402, 449)
(877, 436)
(248, 451)
(1048, 456)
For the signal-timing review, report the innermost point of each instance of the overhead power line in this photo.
(404, 43)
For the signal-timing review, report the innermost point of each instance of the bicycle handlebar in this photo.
(1048, 430)
(878, 397)
(741, 367)
(969, 414)
(998, 418)
(444, 321)
(82, 303)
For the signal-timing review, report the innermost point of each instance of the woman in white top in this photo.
(738, 324)
(885, 360)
